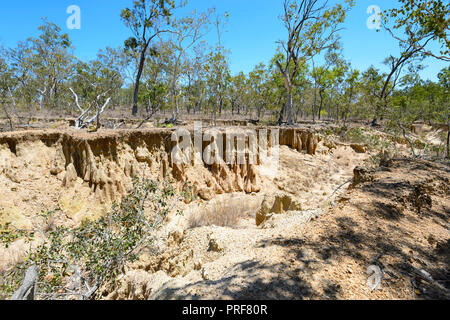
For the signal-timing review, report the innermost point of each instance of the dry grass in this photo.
(222, 213)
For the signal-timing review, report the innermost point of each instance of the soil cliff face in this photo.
(84, 173)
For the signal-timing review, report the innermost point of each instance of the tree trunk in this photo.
(138, 80)
(173, 104)
(289, 108)
(379, 110)
(314, 105)
(288, 85)
(9, 118)
(27, 290)
(281, 116)
(448, 141)
(321, 105)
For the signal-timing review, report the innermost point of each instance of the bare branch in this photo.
(76, 100)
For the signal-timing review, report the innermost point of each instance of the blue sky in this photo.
(251, 33)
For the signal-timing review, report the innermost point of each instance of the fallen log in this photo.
(28, 287)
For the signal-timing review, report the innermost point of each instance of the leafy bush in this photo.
(357, 135)
(74, 263)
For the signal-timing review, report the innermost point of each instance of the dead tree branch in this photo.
(81, 121)
(28, 288)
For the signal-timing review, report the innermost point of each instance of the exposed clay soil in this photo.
(318, 249)
(316, 254)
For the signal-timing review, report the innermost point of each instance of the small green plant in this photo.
(418, 144)
(437, 150)
(165, 125)
(188, 193)
(75, 263)
(328, 131)
(354, 135)
(358, 135)
(9, 234)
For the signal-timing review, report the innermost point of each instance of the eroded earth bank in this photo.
(310, 231)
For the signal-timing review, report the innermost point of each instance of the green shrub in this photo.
(357, 135)
(74, 263)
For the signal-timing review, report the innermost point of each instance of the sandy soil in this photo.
(317, 254)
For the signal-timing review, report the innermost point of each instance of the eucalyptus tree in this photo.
(196, 76)
(421, 23)
(217, 78)
(259, 90)
(351, 89)
(407, 105)
(443, 113)
(322, 77)
(7, 84)
(420, 100)
(417, 23)
(124, 61)
(237, 90)
(325, 78)
(146, 19)
(156, 79)
(409, 55)
(185, 33)
(312, 26)
(5, 78)
(42, 65)
(217, 69)
(52, 61)
(339, 68)
(301, 84)
(20, 61)
(194, 91)
(372, 83)
(277, 87)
